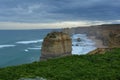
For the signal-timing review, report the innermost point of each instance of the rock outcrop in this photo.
(78, 39)
(56, 44)
(100, 51)
(109, 34)
(69, 31)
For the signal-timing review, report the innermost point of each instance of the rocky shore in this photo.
(58, 44)
(107, 35)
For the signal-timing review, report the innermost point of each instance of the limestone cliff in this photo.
(109, 34)
(69, 31)
(56, 44)
(114, 40)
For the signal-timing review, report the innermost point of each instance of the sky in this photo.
(37, 14)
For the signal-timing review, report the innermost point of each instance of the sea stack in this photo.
(56, 44)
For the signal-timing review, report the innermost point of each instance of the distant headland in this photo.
(106, 35)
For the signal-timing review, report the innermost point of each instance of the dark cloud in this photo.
(58, 10)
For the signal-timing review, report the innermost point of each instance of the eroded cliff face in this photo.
(114, 39)
(56, 44)
(109, 34)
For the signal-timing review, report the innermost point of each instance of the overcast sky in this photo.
(34, 14)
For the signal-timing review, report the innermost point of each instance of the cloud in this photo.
(17, 25)
(55, 11)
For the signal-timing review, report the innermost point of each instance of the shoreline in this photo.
(84, 46)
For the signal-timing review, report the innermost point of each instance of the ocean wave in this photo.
(29, 42)
(34, 48)
(82, 50)
(26, 50)
(5, 46)
(84, 46)
(78, 36)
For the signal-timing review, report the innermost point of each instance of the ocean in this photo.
(23, 46)
(20, 46)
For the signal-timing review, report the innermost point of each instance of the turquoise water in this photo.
(20, 46)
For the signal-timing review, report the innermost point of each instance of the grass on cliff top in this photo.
(84, 67)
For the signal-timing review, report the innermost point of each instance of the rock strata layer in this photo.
(100, 50)
(109, 34)
(56, 44)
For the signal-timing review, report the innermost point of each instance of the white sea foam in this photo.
(34, 48)
(26, 50)
(29, 42)
(84, 46)
(5, 46)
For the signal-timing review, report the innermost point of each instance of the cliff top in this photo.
(57, 36)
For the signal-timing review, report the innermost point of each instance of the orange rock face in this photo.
(56, 44)
(100, 51)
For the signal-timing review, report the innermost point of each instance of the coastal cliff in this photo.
(111, 35)
(56, 44)
(108, 34)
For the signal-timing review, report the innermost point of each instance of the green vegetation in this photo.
(84, 67)
(51, 35)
